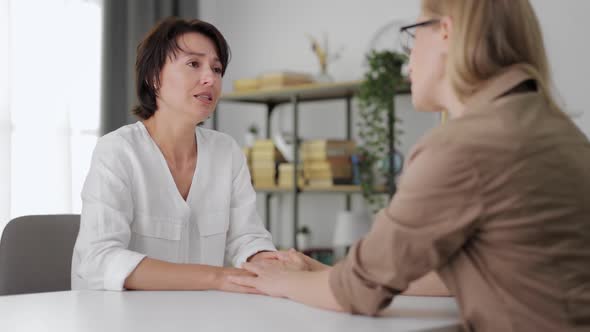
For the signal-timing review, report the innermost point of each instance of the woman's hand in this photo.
(294, 260)
(312, 264)
(273, 273)
(223, 280)
(291, 259)
(275, 279)
(271, 277)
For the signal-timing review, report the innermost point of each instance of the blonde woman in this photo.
(496, 202)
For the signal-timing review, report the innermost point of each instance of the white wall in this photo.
(566, 27)
(268, 35)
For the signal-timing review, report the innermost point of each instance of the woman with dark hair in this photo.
(166, 202)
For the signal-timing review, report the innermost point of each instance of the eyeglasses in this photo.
(408, 34)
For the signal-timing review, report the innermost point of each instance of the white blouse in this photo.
(132, 209)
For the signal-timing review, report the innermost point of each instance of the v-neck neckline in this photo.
(164, 164)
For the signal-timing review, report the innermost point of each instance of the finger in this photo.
(270, 255)
(246, 273)
(253, 291)
(243, 281)
(295, 254)
(247, 290)
(243, 289)
(283, 256)
(242, 272)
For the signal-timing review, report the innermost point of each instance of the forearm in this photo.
(313, 288)
(428, 285)
(153, 274)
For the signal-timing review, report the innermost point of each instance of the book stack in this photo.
(264, 159)
(282, 79)
(327, 162)
(286, 171)
(272, 80)
(246, 84)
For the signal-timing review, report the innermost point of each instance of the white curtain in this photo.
(49, 103)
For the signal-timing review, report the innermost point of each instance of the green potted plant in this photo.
(377, 107)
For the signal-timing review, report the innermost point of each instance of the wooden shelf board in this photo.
(273, 189)
(315, 189)
(304, 92)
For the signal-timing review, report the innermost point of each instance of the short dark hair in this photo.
(162, 42)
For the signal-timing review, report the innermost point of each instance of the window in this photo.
(49, 103)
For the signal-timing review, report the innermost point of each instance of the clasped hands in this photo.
(271, 273)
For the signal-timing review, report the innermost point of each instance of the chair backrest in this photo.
(36, 253)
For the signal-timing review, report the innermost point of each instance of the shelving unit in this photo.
(295, 95)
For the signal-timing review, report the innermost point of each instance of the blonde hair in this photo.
(489, 36)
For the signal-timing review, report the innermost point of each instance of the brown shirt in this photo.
(498, 203)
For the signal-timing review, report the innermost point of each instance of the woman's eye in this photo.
(218, 70)
(193, 64)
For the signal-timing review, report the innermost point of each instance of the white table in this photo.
(84, 311)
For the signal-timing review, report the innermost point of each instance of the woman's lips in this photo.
(204, 98)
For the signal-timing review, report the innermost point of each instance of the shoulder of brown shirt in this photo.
(457, 135)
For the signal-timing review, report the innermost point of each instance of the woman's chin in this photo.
(201, 114)
(418, 103)
(422, 103)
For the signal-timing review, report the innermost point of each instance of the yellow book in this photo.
(327, 144)
(246, 84)
(325, 166)
(257, 173)
(263, 143)
(324, 155)
(286, 175)
(323, 183)
(282, 79)
(264, 183)
(329, 174)
(289, 184)
(327, 149)
(266, 155)
(262, 164)
(264, 176)
(286, 167)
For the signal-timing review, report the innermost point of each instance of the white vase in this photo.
(303, 241)
(249, 139)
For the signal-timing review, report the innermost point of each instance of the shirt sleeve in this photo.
(433, 212)
(104, 262)
(246, 234)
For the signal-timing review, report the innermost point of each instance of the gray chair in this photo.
(36, 253)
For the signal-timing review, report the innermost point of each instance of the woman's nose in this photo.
(208, 77)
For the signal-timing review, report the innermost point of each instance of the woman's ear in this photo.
(446, 29)
(154, 85)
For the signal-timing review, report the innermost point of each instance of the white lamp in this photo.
(350, 227)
